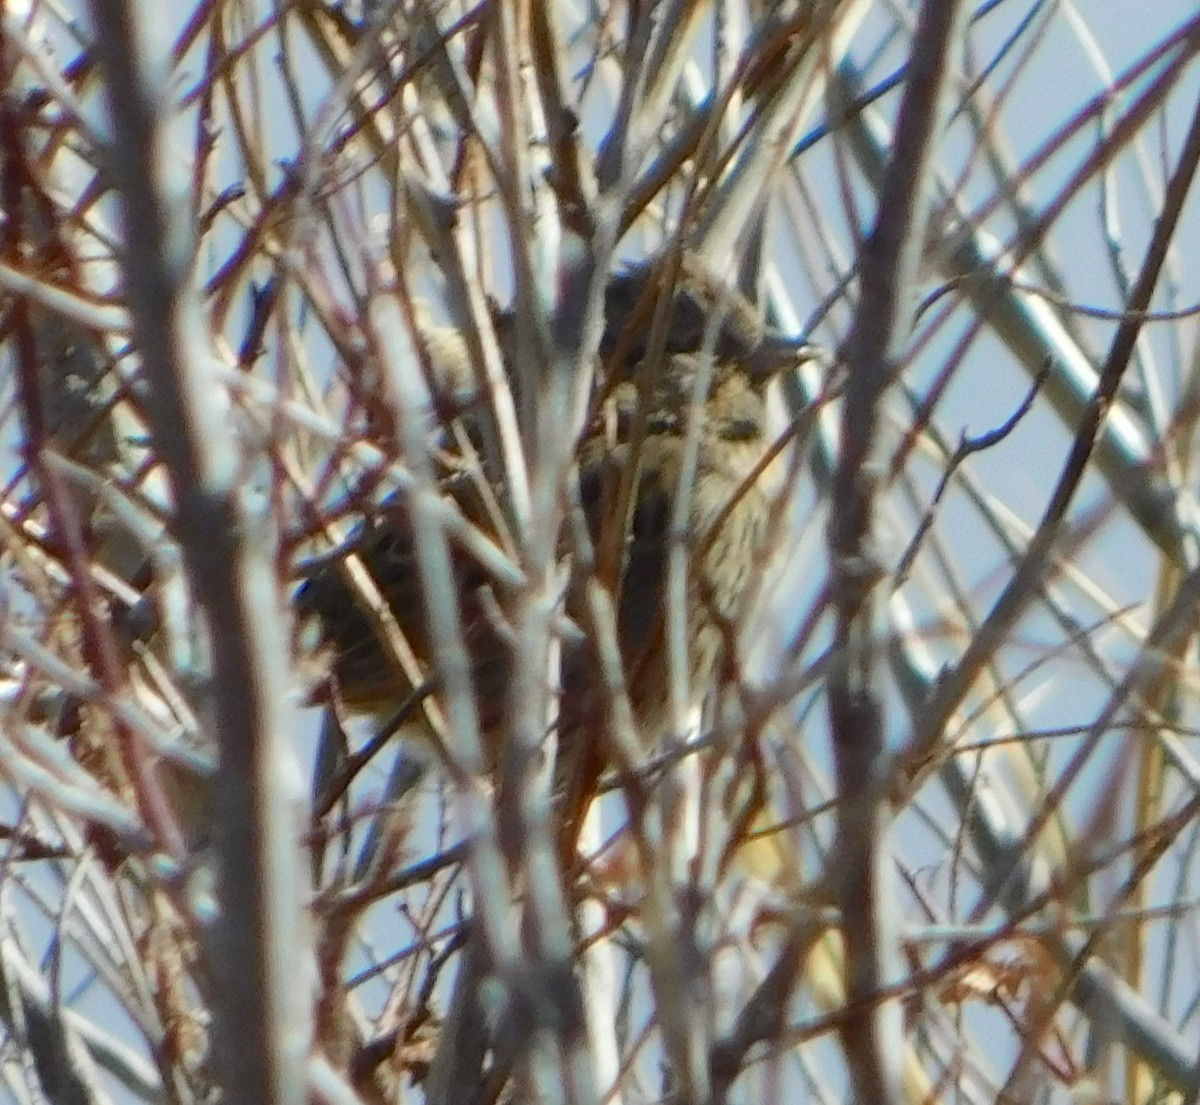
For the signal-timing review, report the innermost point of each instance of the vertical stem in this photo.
(262, 1009)
(890, 255)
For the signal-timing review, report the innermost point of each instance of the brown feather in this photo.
(643, 422)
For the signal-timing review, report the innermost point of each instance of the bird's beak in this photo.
(776, 353)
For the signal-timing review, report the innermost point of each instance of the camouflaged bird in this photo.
(711, 335)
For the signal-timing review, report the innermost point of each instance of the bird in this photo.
(712, 345)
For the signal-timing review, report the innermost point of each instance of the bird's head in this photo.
(708, 345)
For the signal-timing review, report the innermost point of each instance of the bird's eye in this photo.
(394, 549)
(740, 429)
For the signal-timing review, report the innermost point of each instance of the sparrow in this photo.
(703, 380)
